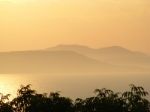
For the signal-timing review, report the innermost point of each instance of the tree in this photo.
(28, 100)
(5, 103)
(23, 100)
(108, 101)
(135, 99)
(60, 104)
(79, 105)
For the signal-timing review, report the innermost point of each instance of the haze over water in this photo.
(72, 85)
(74, 70)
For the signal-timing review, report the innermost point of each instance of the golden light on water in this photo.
(7, 85)
(10, 83)
(70, 84)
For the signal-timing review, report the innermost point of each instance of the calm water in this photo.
(72, 85)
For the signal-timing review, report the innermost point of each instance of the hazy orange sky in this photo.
(35, 24)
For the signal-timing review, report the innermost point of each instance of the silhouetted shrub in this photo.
(105, 100)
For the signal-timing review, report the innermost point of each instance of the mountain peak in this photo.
(85, 49)
(115, 49)
(73, 47)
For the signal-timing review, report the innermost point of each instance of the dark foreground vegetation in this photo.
(29, 100)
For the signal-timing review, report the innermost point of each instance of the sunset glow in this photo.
(96, 23)
(55, 53)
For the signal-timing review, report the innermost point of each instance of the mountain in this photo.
(115, 55)
(85, 49)
(76, 48)
(49, 62)
(74, 59)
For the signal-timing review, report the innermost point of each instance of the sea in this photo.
(72, 85)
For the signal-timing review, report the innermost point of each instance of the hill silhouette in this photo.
(48, 62)
(74, 59)
(115, 55)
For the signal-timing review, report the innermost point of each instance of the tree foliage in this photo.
(104, 100)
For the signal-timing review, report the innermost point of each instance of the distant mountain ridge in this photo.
(74, 59)
(81, 48)
(114, 55)
(48, 62)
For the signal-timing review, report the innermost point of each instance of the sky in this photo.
(38, 24)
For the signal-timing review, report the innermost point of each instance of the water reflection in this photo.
(72, 85)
